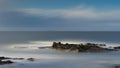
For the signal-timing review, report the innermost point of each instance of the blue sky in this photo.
(60, 15)
(55, 4)
(65, 3)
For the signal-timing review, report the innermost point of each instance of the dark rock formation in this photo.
(5, 62)
(118, 48)
(44, 47)
(18, 58)
(88, 47)
(4, 58)
(31, 59)
(116, 66)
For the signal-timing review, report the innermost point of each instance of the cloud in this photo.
(75, 19)
(84, 14)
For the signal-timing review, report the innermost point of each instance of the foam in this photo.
(36, 44)
(49, 57)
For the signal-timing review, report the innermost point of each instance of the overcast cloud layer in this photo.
(77, 18)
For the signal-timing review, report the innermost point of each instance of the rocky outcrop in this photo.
(31, 59)
(5, 62)
(118, 48)
(4, 58)
(116, 66)
(44, 47)
(87, 47)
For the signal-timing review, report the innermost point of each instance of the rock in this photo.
(18, 58)
(117, 47)
(2, 58)
(31, 59)
(5, 62)
(116, 67)
(88, 47)
(44, 47)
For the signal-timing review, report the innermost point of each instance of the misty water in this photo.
(25, 44)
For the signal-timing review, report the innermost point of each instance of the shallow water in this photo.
(25, 45)
(49, 58)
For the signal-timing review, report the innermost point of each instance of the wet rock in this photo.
(5, 62)
(118, 48)
(2, 58)
(18, 58)
(87, 47)
(116, 67)
(31, 59)
(44, 47)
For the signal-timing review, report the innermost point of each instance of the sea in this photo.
(25, 44)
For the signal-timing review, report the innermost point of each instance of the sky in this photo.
(60, 15)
